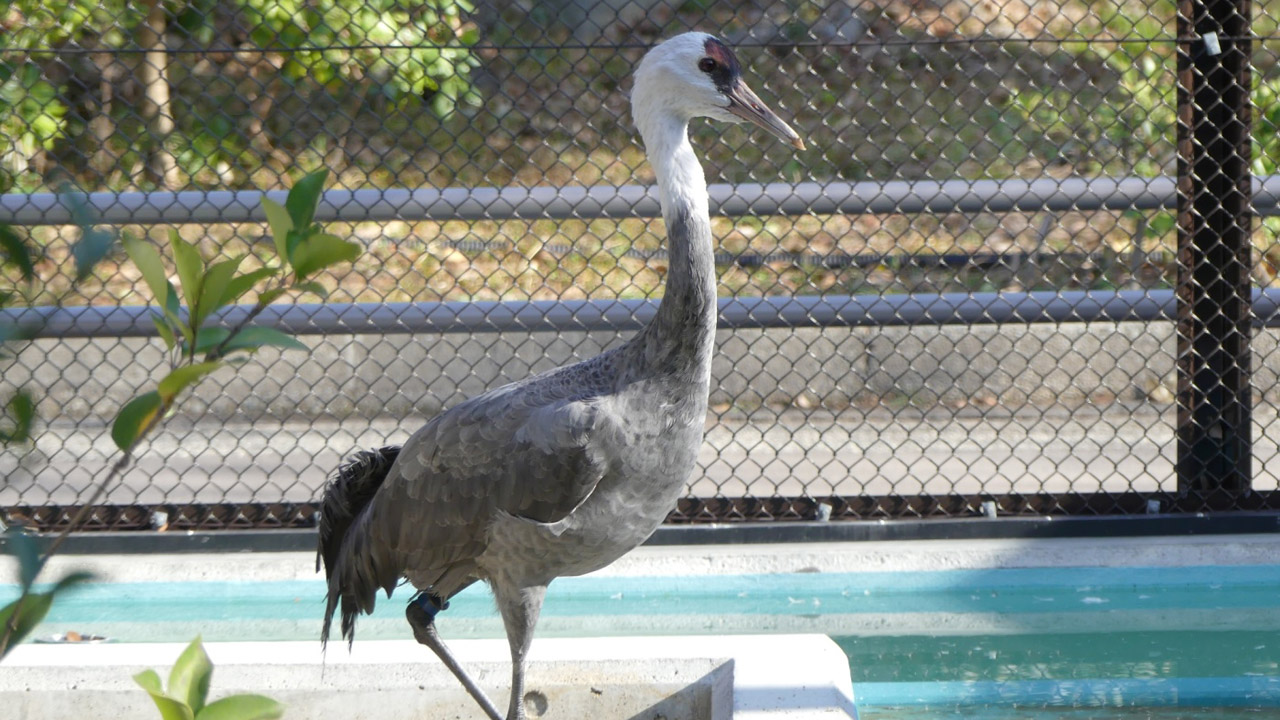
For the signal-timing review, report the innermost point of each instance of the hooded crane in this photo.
(565, 471)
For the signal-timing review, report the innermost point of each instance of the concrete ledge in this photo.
(677, 678)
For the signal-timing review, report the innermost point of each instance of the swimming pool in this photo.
(1068, 675)
(1190, 642)
(1024, 642)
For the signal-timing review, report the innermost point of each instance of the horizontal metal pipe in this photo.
(624, 315)
(896, 196)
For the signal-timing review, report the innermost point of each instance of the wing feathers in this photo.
(521, 450)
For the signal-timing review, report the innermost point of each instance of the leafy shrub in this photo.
(196, 346)
(188, 690)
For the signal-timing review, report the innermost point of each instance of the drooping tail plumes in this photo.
(345, 499)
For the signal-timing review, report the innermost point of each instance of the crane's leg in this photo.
(421, 614)
(520, 608)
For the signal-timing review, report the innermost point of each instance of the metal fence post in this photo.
(1214, 249)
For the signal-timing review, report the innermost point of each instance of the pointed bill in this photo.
(744, 103)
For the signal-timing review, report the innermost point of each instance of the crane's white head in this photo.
(697, 75)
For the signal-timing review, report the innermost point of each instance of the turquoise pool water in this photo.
(1113, 643)
(1157, 674)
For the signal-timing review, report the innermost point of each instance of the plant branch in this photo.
(216, 352)
(142, 414)
(117, 469)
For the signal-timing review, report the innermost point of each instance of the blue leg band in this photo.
(429, 603)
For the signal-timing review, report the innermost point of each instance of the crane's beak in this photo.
(744, 103)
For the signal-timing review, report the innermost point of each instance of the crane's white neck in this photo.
(682, 334)
(682, 185)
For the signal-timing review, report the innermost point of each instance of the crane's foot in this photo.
(421, 614)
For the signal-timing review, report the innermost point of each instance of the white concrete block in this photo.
(774, 677)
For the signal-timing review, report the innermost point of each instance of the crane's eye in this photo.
(706, 64)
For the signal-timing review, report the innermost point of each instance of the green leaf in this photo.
(135, 416)
(257, 337)
(170, 709)
(165, 330)
(303, 198)
(1162, 222)
(214, 286)
(149, 680)
(244, 283)
(242, 707)
(23, 547)
(189, 678)
(70, 580)
(147, 258)
(16, 253)
(173, 311)
(172, 304)
(190, 267)
(321, 251)
(312, 287)
(291, 244)
(210, 338)
(11, 333)
(280, 223)
(24, 413)
(93, 246)
(34, 608)
(177, 380)
(271, 295)
(254, 338)
(21, 414)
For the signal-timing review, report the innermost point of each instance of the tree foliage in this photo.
(403, 52)
(396, 48)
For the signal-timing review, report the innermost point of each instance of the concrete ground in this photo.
(721, 678)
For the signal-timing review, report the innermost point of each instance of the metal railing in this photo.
(809, 198)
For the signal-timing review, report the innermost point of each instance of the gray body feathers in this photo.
(557, 474)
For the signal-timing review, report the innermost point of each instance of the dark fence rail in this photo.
(809, 198)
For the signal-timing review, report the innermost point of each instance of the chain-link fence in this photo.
(1028, 259)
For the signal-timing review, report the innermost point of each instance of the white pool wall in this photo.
(783, 677)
